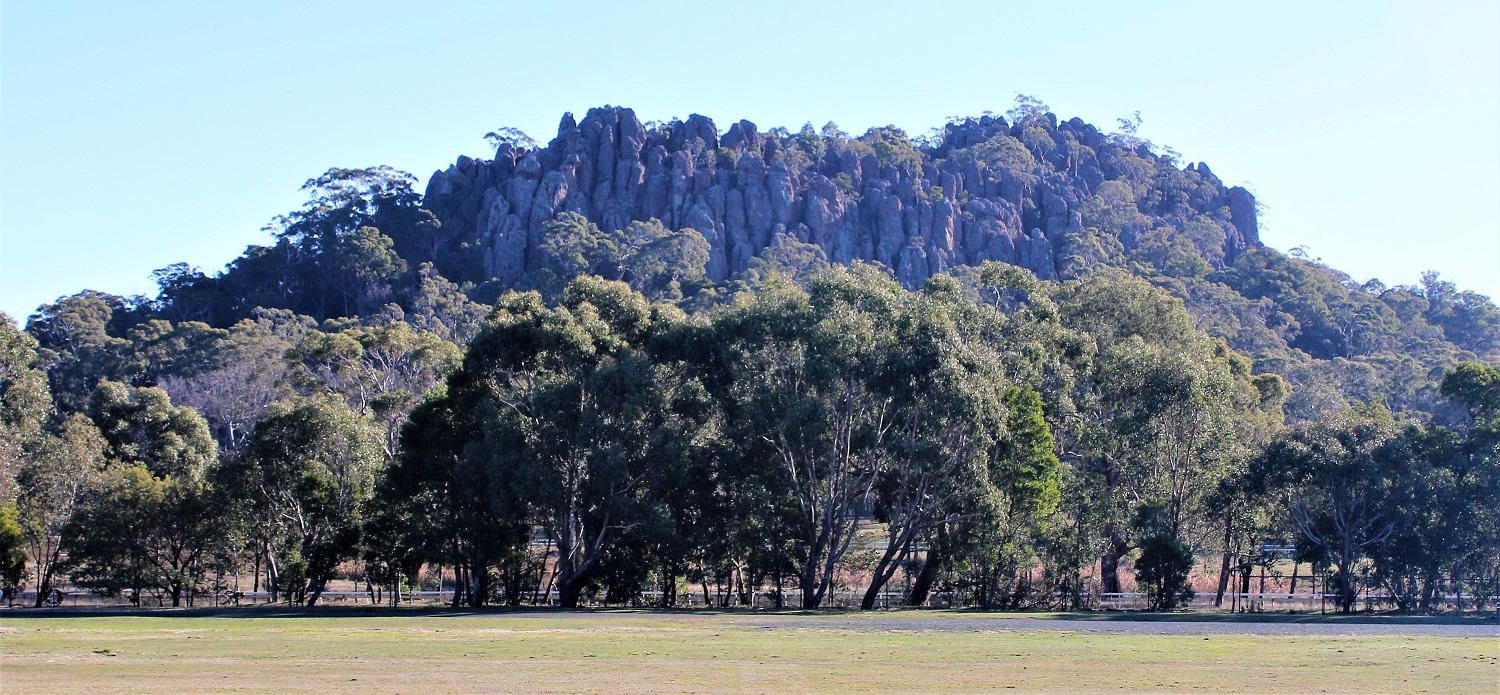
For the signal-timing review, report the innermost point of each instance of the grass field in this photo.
(344, 652)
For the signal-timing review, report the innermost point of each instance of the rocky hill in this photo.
(1025, 193)
(691, 215)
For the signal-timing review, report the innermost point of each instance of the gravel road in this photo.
(919, 623)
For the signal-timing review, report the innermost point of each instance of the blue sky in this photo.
(135, 135)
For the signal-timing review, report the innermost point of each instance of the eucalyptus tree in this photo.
(143, 427)
(53, 484)
(572, 421)
(79, 337)
(966, 444)
(145, 533)
(1163, 413)
(249, 377)
(13, 556)
(851, 391)
(444, 308)
(304, 479)
(383, 371)
(154, 516)
(438, 504)
(656, 261)
(1444, 506)
(1339, 478)
(1003, 531)
(1476, 469)
(25, 402)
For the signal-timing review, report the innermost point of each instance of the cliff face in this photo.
(917, 211)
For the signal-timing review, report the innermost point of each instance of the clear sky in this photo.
(135, 135)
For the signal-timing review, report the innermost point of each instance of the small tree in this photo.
(1162, 572)
(511, 143)
(12, 554)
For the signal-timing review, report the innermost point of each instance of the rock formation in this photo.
(917, 215)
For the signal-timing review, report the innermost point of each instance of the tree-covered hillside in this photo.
(1039, 355)
(686, 213)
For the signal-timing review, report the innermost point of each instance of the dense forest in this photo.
(649, 355)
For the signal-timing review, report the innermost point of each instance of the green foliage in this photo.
(80, 341)
(55, 481)
(1477, 388)
(1173, 253)
(653, 259)
(13, 554)
(1339, 475)
(787, 258)
(1000, 153)
(144, 533)
(141, 425)
(250, 375)
(1162, 571)
(1028, 108)
(660, 263)
(444, 309)
(25, 402)
(381, 371)
(1025, 465)
(892, 147)
(510, 141)
(306, 473)
(1113, 210)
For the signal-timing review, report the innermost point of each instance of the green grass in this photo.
(341, 652)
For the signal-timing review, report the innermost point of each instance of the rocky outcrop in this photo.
(1243, 215)
(744, 187)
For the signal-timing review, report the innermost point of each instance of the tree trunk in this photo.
(922, 586)
(991, 587)
(315, 593)
(668, 587)
(1346, 589)
(44, 580)
(745, 592)
(1429, 587)
(1109, 565)
(1224, 562)
(43, 588)
(810, 597)
(479, 577)
(1458, 591)
(273, 576)
(890, 561)
(569, 591)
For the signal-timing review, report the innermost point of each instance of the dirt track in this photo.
(1112, 625)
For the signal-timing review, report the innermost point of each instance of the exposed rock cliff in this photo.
(973, 196)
